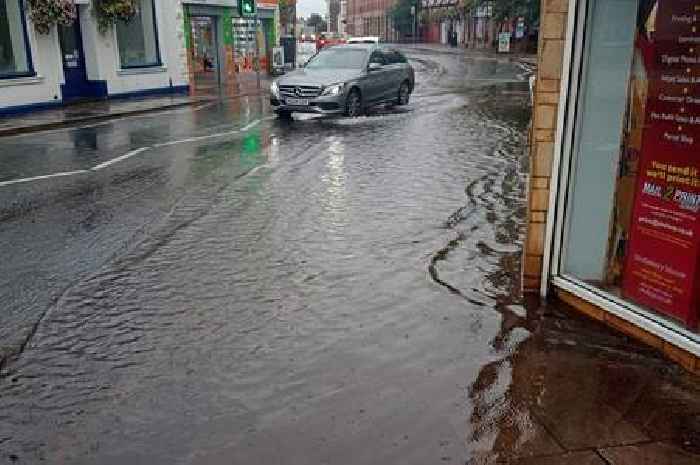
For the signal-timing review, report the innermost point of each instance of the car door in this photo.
(394, 74)
(405, 70)
(374, 91)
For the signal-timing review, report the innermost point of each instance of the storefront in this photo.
(221, 46)
(619, 228)
(247, 35)
(80, 60)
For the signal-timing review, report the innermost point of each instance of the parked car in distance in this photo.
(345, 79)
(326, 39)
(364, 40)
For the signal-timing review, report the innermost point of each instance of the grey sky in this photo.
(306, 7)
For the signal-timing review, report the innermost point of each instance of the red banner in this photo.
(663, 260)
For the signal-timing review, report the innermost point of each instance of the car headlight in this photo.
(335, 89)
(274, 89)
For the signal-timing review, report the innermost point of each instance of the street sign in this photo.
(246, 8)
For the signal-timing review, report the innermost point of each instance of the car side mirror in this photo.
(374, 67)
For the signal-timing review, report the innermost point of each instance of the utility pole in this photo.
(413, 16)
(257, 50)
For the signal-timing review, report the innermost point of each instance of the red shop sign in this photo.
(662, 268)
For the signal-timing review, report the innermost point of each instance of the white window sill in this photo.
(21, 81)
(144, 70)
(659, 326)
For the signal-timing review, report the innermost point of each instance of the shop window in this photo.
(14, 49)
(632, 216)
(138, 38)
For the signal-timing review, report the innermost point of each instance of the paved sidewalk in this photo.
(80, 113)
(579, 393)
(474, 52)
(87, 112)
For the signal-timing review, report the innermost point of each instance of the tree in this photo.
(510, 9)
(401, 15)
(288, 14)
(317, 22)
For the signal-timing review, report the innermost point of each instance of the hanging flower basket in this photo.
(45, 13)
(108, 12)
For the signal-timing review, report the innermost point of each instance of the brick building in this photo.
(370, 18)
(614, 196)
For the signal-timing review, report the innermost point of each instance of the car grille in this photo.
(300, 91)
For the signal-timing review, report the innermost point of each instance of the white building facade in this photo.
(144, 56)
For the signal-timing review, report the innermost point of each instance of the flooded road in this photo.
(214, 286)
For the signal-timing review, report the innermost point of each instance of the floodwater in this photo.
(214, 286)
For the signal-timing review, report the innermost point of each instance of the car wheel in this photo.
(404, 93)
(353, 104)
(284, 114)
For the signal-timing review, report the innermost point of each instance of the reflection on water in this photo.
(334, 179)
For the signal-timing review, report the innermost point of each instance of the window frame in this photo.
(394, 57)
(159, 59)
(553, 275)
(31, 72)
(390, 56)
(379, 54)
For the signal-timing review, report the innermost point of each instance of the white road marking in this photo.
(132, 153)
(256, 169)
(250, 126)
(118, 159)
(39, 178)
(245, 128)
(197, 138)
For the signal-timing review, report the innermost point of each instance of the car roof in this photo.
(375, 38)
(357, 46)
(365, 46)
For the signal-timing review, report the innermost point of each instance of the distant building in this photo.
(343, 17)
(332, 15)
(371, 18)
(301, 29)
(442, 21)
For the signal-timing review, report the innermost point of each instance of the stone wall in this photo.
(553, 22)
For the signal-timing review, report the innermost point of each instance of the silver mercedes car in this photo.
(344, 79)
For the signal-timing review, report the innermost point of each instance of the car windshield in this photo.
(337, 58)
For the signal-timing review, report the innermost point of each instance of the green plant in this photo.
(510, 9)
(45, 13)
(424, 16)
(108, 12)
(402, 16)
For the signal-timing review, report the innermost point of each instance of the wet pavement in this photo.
(91, 112)
(213, 286)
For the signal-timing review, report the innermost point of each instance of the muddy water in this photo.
(322, 291)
